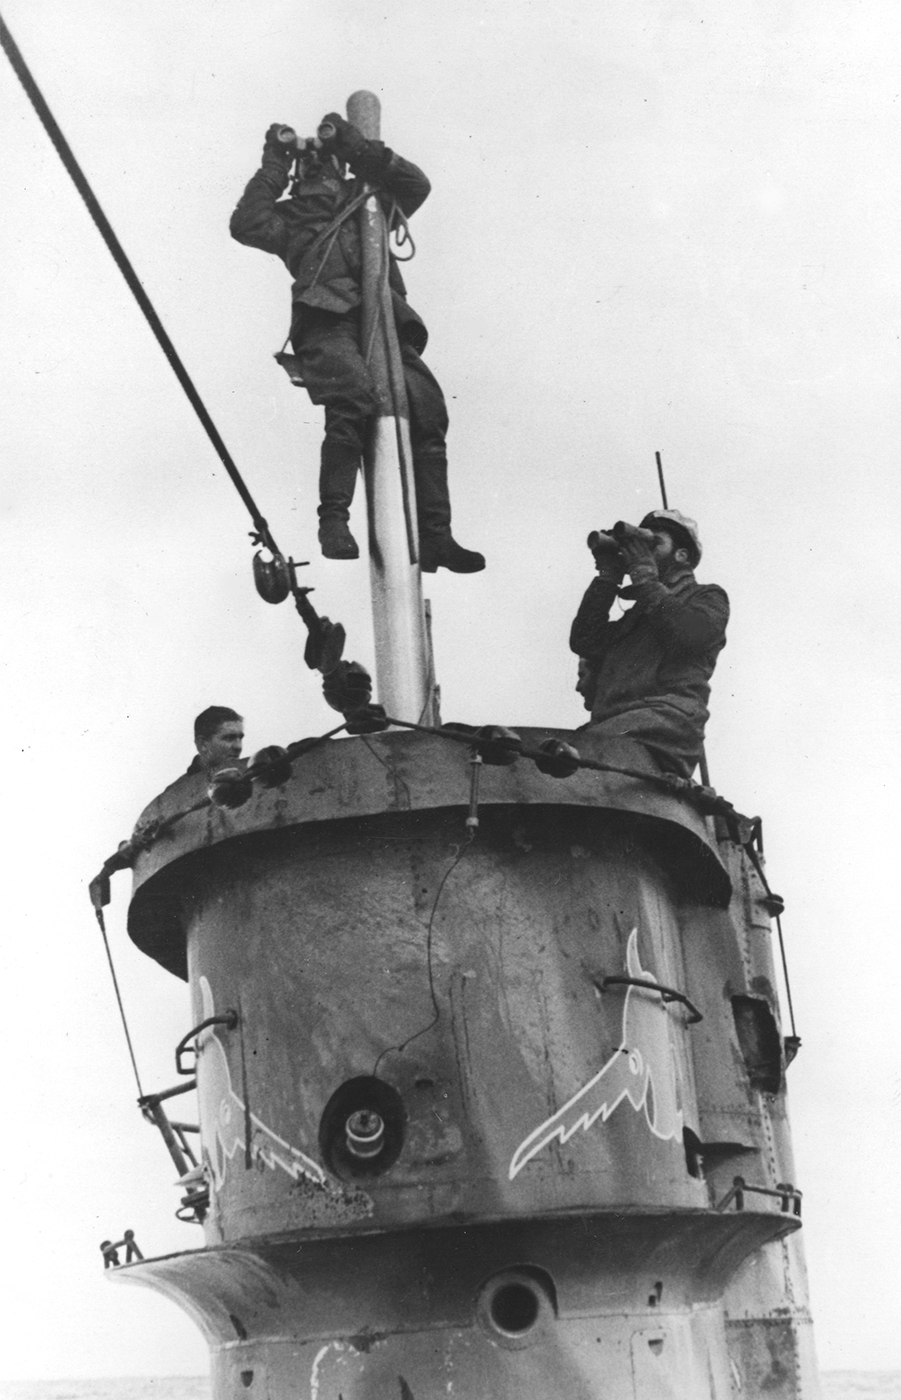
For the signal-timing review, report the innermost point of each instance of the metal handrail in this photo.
(668, 993)
(789, 1196)
(228, 1018)
(110, 1250)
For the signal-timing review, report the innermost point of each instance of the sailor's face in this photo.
(224, 746)
(314, 162)
(663, 548)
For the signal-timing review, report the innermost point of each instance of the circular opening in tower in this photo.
(361, 1132)
(514, 1308)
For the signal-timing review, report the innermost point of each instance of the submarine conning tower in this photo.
(487, 1048)
(490, 1074)
(486, 1110)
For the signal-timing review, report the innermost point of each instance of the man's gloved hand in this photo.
(279, 152)
(347, 140)
(607, 557)
(637, 548)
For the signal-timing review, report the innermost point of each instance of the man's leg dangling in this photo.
(339, 464)
(336, 377)
(428, 428)
(437, 547)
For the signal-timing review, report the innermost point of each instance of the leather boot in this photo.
(437, 547)
(335, 539)
(443, 552)
(337, 479)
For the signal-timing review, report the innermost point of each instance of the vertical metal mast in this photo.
(402, 649)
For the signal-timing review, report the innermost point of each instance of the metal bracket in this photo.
(195, 1204)
(110, 1250)
(789, 1196)
(668, 993)
(228, 1018)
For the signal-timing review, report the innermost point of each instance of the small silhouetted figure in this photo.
(315, 231)
(218, 738)
(646, 675)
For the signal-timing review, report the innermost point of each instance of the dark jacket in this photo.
(326, 262)
(661, 653)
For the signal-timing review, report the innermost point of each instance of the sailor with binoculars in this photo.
(646, 675)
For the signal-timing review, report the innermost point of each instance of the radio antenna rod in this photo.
(662, 482)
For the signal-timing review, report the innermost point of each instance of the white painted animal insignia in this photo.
(640, 1070)
(223, 1116)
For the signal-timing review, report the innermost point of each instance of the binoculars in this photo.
(289, 137)
(610, 541)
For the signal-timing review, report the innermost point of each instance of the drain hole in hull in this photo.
(514, 1308)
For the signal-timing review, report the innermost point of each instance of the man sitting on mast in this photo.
(316, 233)
(646, 675)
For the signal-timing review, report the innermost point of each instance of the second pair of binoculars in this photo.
(325, 132)
(611, 541)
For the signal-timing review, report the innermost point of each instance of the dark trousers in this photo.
(672, 734)
(336, 376)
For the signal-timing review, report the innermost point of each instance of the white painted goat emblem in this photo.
(640, 1070)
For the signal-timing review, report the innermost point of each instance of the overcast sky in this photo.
(654, 224)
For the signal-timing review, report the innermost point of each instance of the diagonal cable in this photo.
(105, 228)
(109, 957)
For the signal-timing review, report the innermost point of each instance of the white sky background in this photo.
(653, 225)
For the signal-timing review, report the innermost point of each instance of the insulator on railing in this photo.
(498, 746)
(557, 759)
(230, 787)
(271, 766)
